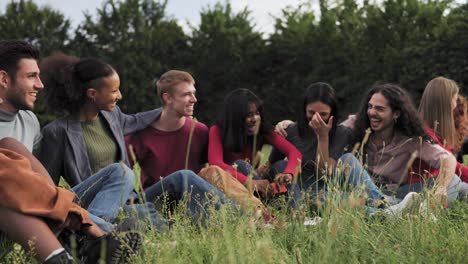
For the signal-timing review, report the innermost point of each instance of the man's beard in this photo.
(16, 101)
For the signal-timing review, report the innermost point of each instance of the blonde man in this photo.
(174, 141)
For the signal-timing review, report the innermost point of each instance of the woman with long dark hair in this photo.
(314, 135)
(240, 130)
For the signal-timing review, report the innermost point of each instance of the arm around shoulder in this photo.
(135, 122)
(281, 127)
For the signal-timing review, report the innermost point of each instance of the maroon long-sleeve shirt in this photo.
(161, 153)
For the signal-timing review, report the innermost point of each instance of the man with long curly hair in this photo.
(396, 139)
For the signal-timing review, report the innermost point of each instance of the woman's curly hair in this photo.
(461, 122)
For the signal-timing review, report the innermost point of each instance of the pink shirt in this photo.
(218, 156)
(388, 164)
(461, 170)
(161, 153)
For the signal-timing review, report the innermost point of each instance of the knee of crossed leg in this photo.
(122, 173)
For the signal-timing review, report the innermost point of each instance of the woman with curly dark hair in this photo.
(461, 124)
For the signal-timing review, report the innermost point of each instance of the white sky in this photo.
(183, 10)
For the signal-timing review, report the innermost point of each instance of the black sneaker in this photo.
(118, 247)
(70, 240)
(61, 258)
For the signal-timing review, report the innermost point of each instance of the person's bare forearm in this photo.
(446, 174)
(322, 130)
(323, 157)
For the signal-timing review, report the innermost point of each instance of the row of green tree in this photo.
(348, 45)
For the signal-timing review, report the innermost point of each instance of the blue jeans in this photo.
(357, 176)
(103, 224)
(103, 193)
(174, 188)
(246, 168)
(455, 187)
(148, 213)
(353, 174)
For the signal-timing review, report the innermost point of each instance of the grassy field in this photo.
(344, 235)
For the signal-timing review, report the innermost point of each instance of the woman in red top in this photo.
(240, 130)
(438, 102)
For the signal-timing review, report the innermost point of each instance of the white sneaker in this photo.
(391, 199)
(410, 203)
(312, 221)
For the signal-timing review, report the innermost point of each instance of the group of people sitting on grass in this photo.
(94, 145)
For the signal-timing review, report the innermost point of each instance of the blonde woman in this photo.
(438, 102)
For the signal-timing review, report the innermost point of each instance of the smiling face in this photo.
(182, 99)
(107, 96)
(22, 89)
(322, 109)
(381, 115)
(252, 121)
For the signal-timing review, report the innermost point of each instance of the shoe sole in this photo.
(130, 244)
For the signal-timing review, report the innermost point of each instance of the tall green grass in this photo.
(345, 235)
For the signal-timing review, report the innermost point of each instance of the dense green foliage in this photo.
(348, 45)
